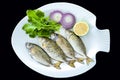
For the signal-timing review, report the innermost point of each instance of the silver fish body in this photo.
(64, 45)
(38, 54)
(77, 44)
(52, 49)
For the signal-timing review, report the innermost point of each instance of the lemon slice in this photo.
(81, 28)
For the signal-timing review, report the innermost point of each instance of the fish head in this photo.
(68, 33)
(54, 36)
(28, 45)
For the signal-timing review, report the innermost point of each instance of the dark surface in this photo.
(12, 12)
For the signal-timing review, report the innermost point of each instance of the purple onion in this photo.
(56, 15)
(68, 20)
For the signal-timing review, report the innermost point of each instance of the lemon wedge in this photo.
(81, 28)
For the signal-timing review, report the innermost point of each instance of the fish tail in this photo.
(57, 65)
(88, 60)
(71, 63)
(80, 60)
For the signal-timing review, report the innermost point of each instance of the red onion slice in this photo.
(68, 20)
(56, 15)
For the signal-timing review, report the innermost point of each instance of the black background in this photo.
(12, 11)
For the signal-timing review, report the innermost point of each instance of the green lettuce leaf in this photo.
(39, 25)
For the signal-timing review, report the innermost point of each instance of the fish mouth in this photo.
(28, 45)
(54, 36)
(69, 34)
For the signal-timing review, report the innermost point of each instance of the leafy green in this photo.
(39, 25)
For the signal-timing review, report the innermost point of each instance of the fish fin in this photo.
(57, 65)
(71, 63)
(88, 60)
(80, 60)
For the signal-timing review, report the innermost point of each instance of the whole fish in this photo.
(77, 45)
(38, 54)
(53, 50)
(65, 46)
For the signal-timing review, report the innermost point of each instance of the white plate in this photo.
(96, 40)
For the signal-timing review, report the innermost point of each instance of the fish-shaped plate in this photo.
(96, 40)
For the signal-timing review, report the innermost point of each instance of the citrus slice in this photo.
(81, 28)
